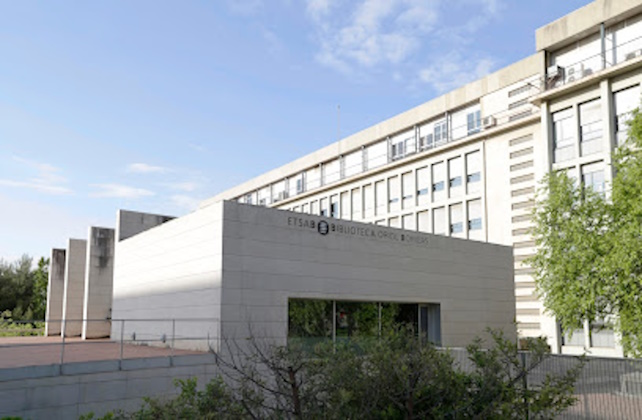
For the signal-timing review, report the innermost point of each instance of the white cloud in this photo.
(119, 191)
(47, 180)
(455, 70)
(376, 31)
(185, 201)
(144, 168)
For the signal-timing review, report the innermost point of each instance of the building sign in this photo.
(370, 231)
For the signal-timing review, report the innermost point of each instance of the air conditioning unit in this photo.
(555, 72)
(488, 122)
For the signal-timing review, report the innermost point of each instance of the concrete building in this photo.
(232, 271)
(466, 164)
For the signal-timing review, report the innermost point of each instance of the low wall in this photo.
(70, 390)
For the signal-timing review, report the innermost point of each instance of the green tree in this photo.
(588, 264)
(39, 295)
(397, 377)
(23, 290)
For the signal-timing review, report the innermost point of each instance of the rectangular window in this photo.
(264, 196)
(473, 172)
(438, 181)
(407, 190)
(356, 204)
(323, 211)
(590, 128)
(456, 220)
(408, 222)
(455, 171)
(423, 221)
(377, 155)
(439, 221)
(423, 185)
(397, 150)
(345, 205)
(380, 197)
(474, 122)
(304, 208)
(248, 198)
(313, 178)
(331, 171)
(564, 135)
(394, 222)
(368, 200)
(334, 206)
(393, 193)
(314, 207)
(475, 220)
(441, 132)
(625, 101)
(593, 177)
(353, 163)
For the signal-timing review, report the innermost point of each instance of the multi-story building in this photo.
(467, 164)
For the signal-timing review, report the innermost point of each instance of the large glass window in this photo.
(475, 220)
(590, 128)
(324, 207)
(356, 204)
(593, 177)
(423, 221)
(456, 220)
(345, 205)
(380, 197)
(368, 200)
(474, 122)
(439, 221)
(423, 185)
(625, 102)
(564, 135)
(438, 181)
(334, 206)
(312, 321)
(407, 190)
(455, 171)
(473, 172)
(441, 132)
(408, 222)
(394, 193)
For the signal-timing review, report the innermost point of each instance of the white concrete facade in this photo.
(74, 291)
(234, 268)
(466, 164)
(55, 292)
(99, 276)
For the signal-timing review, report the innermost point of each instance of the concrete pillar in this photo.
(72, 306)
(55, 291)
(99, 277)
(130, 223)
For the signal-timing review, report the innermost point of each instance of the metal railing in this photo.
(607, 388)
(88, 340)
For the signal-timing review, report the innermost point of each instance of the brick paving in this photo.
(36, 351)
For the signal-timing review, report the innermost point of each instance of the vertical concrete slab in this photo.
(72, 306)
(130, 223)
(55, 291)
(99, 277)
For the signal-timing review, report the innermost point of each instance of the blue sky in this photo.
(156, 105)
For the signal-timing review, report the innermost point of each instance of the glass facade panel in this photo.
(593, 177)
(356, 204)
(394, 193)
(473, 172)
(408, 222)
(590, 128)
(455, 172)
(368, 200)
(439, 221)
(625, 101)
(456, 220)
(309, 321)
(438, 181)
(423, 221)
(423, 186)
(564, 135)
(407, 190)
(380, 197)
(475, 220)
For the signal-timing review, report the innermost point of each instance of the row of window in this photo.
(588, 125)
(433, 183)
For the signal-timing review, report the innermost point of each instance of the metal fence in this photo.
(607, 388)
(129, 339)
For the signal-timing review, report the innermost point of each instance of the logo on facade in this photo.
(323, 227)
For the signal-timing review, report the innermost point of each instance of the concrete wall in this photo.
(42, 392)
(171, 272)
(98, 283)
(55, 292)
(74, 293)
(268, 257)
(130, 223)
